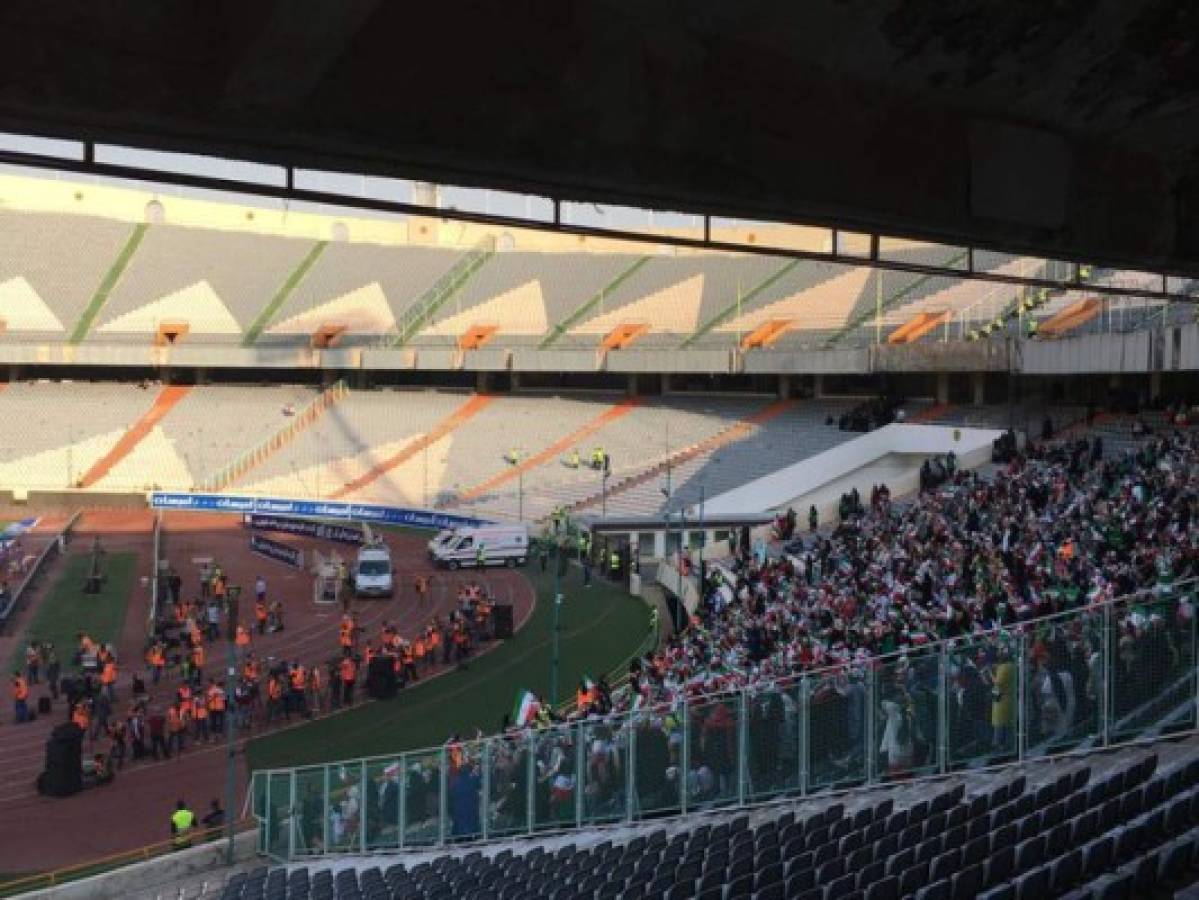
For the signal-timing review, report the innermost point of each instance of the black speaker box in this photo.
(63, 775)
(381, 679)
(501, 621)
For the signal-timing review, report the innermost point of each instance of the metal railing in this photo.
(422, 311)
(1100, 675)
(49, 552)
(256, 454)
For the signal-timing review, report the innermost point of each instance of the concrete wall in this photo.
(778, 489)
(163, 876)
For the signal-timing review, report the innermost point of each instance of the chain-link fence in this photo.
(1096, 676)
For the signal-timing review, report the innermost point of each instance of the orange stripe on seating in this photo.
(554, 450)
(461, 415)
(163, 404)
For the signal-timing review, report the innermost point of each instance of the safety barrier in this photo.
(255, 455)
(79, 871)
(1101, 675)
(49, 552)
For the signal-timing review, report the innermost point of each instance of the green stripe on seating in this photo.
(562, 327)
(725, 314)
(886, 304)
(84, 325)
(268, 312)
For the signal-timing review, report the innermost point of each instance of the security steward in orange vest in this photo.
(20, 697)
(349, 674)
(274, 698)
(176, 725)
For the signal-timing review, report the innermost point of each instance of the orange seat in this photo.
(623, 335)
(1071, 317)
(328, 335)
(917, 327)
(476, 336)
(170, 333)
(766, 333)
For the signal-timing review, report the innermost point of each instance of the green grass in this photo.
(66, 610)
(600, 628)
(84, 325)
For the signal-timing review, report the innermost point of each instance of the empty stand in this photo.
(214, 282)
(51, 265)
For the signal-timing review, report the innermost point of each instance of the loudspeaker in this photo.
(381, 679)
(63, 775)
(501, 621)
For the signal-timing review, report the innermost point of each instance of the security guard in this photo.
(183, 820)
(584, 545)
(614, 564)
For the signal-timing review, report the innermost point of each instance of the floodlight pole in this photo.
(557, 622)
(230, 743)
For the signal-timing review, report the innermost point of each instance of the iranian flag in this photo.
(526, 708)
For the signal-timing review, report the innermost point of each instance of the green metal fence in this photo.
(1102, 675)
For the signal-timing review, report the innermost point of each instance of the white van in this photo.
(373, 576)
(440, 538)
(501, 545)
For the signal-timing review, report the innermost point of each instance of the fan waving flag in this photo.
(526, 708)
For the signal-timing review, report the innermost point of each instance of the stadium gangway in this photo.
(1102, 675)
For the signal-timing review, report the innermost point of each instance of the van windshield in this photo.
(374, 567)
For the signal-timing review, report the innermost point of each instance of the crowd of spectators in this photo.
(1012, 570)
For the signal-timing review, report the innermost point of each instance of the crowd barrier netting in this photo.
(1089, 678)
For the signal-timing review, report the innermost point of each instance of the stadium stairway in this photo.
(734, 432)
(166, 400)
(304, 419)
(554, 450)
(464, 413)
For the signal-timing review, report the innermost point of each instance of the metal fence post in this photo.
(803, 735)
(1105, 699)
(631, 771)
(868, 750)
(580, 770)
(684, 757)
(742, 745)
(943, 711)
(531, 783)
(1022, 697)
(443, 806)
(402, 817)
(291, 816)
(485, 799)
(363, 806)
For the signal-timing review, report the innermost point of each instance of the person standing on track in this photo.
(20, 697)
(183, 820)
(349, 674)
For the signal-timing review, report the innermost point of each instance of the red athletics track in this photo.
(42, 833)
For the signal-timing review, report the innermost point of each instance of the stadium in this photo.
(616, 453)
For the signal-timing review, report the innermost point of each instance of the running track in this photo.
(42, 833)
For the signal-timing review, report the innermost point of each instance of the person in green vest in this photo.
(481, 556)
(614, 564)
(183, 820)
(584, 545)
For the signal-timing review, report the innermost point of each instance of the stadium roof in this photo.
(1069, 128)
